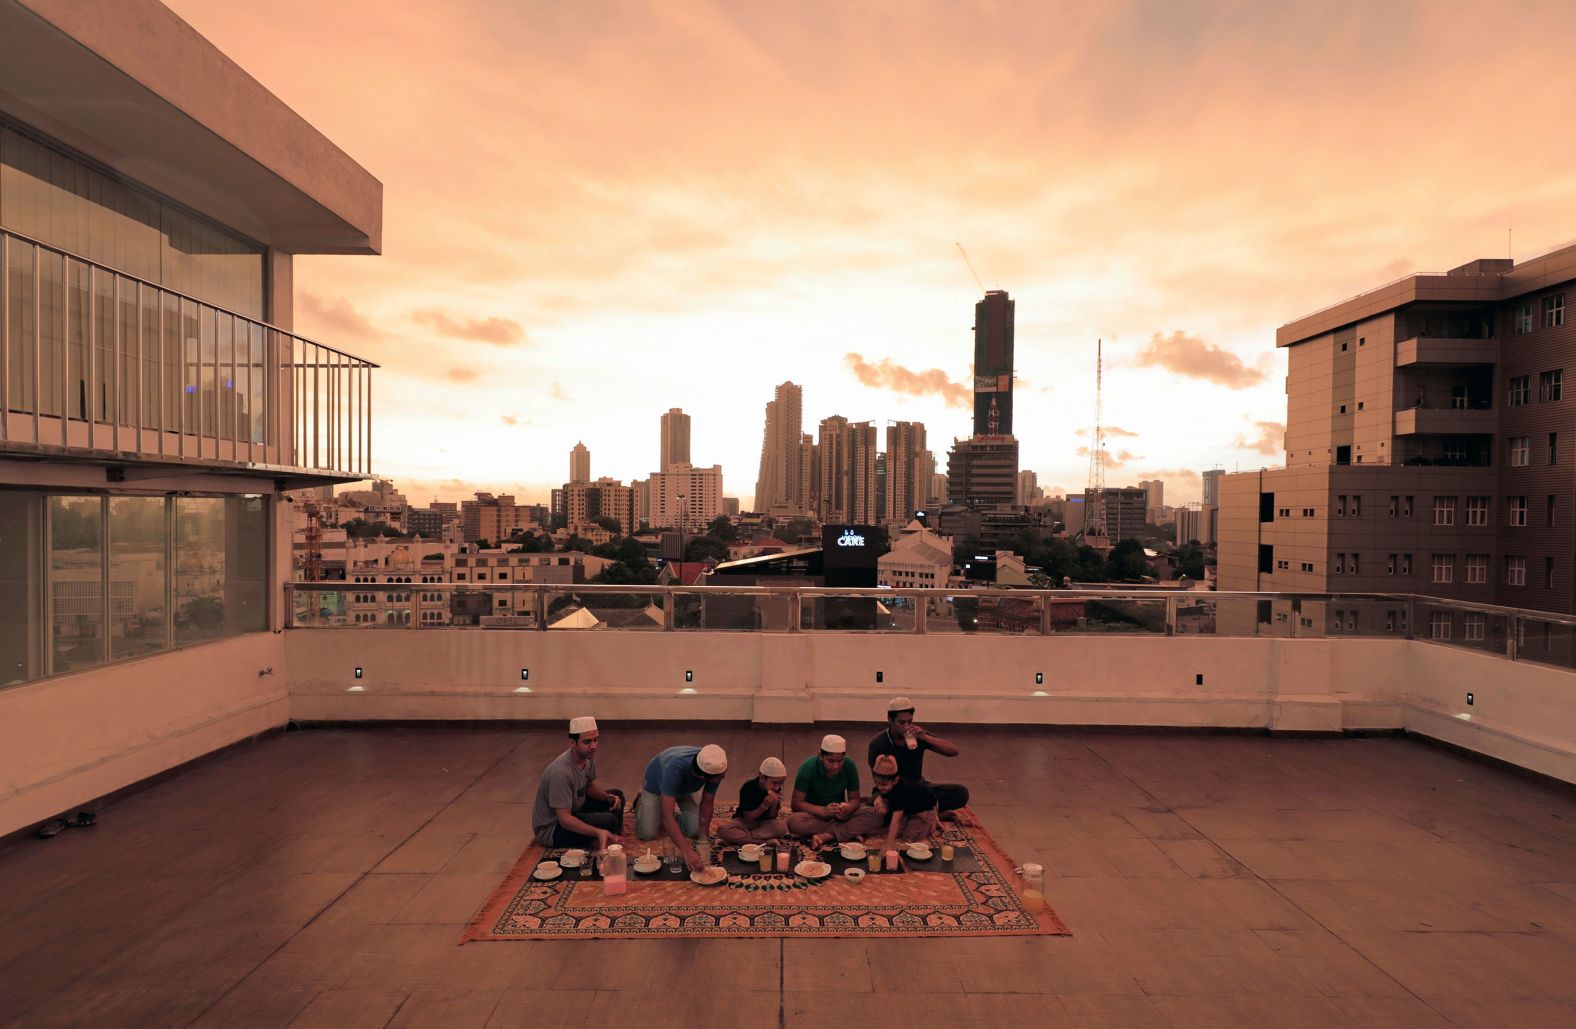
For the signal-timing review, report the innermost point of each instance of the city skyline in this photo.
(1164, 179)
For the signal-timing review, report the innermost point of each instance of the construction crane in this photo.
(972, 272)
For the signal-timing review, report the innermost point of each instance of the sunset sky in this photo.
(597, 211)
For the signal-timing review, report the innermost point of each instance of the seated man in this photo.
(825, 793)
(673, 778)
(572, 809)
(760, 814)
(907, 743)
(908, 808)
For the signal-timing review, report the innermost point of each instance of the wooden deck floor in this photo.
(322, 877)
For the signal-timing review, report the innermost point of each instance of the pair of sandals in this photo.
(53, 828)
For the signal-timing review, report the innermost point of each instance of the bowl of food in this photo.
(919, 851)
(813, 869)
(853, 851)
(750, 852)
(854, 875)
(548, 870)
(572, 858)
(709, 876)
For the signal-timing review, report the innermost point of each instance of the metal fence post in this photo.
(921, 614)
(1171, 616)
(1513, 638)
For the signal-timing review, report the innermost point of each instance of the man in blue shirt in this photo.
(668, 800)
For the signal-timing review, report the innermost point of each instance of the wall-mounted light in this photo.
(1198, 680)
(358, 671)
(1469, 700)
(1039, 678)
(879, 676)
(525, 673)
(689, 676)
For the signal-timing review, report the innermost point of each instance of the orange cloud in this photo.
(463, 374)
(501, 332)
(336, 315)
(1191, 356)
(931, 382)
(1110, 430)
(1270, 441)
(1116, 460)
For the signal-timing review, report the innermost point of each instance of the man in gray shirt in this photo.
(571, 809)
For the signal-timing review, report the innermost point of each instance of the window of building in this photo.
(1357, 505)
(1455, 450)
(1343, 348)
(1340, 506)
(1360, 405)
(1283, 565)
(1472, 628)
(1406, 564)
(1395, 505)
(1444, 568)
(1520, 390)
(1354, 564)
(1520, 451)
(1550, 385)
(1548, 573)
(1517, 508)
(1389, 565)
(1524, 318)
(1477, 568)
(1554, 311)
(1554, 448)
(1444, 510)
(1343, 409)
(1548, 511)
(1307, 566)
(1406, 507)
(1477, 510)
(1439, 625)
(1515, 571)
(1340, 564)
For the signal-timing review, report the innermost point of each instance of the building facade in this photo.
(675, 448)
(983, 472)
(580, 464)
(158, 408)
(1429, 446)
(778, 487)
(685, 498)
(907, 474)
(993, 352)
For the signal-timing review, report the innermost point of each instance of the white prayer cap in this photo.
(897, 704)
(712, 759)
(585, 723)
(772, 767)
(834, 744)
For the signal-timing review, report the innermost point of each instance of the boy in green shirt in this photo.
(825, 794)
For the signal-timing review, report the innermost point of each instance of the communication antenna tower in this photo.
(972, 272)
(1094, 514)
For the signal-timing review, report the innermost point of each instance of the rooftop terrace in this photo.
(323, 877)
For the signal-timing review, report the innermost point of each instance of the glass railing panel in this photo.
(1455, 625)
(1347, 615)
(1545, 641)
(721, 610)
(855, 613)
(624, 610)
(987, 614)
(1110, 615)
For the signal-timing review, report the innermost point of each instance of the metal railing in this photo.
(94, 359)
(1511, 632)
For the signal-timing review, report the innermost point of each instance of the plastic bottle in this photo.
(614, 871)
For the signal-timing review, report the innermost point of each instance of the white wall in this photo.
(68, 740)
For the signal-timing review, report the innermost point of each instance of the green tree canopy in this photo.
(1126, 562)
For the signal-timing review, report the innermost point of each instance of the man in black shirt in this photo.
(907, 743)
(759, 817)
(907, 808)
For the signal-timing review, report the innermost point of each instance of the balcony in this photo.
(101, 367)
(1444, 421)
(1444, 352)
(325, 875)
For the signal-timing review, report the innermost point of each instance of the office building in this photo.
(675, 439)
(578, 505)
(1125, 508)
(1197, 522)
(685, 498)
(494, 518)
(1212, 485)
(993, 352)
(907, 479)
(580, 464)
(983, 472)
(1028, 489)
(831, 466)
(863, 483)
(1429, 449)
(779, 485)
(1156, 499)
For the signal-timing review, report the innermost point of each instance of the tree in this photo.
(705, 548)
(612, 525)
(360, 528)
(1190, 560)
(1127, 562)
(790, 529)
(533, 544)
(579, 543)
(722, 528)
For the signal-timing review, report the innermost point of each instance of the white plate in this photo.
(710, 876)
(749, 852)
(647, 867)
(848, 851)
(813, 869)
(566, 861)
(546, 873)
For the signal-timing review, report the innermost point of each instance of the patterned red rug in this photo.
(974, 895)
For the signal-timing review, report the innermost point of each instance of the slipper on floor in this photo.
(50, 829)
(82, 820)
